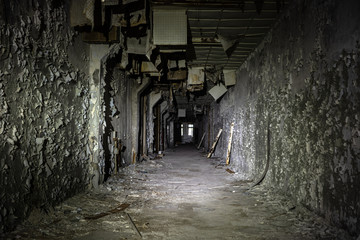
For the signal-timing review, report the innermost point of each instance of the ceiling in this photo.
(220, 35)
(243, 23)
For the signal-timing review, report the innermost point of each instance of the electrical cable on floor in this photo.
(133, 224)
(267, 158)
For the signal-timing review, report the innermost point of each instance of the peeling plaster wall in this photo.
(154, 98)
(121, 103)
(44, 104)
(303, 85)
(97, 53)
(137, 89)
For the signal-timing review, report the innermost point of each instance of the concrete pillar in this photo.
(97, 52)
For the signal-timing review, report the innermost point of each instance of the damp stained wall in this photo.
(120, 99)
(302, 84)
(44, 102)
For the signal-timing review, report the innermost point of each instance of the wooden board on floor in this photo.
(214, 144)
(202, 139)
(229, 144)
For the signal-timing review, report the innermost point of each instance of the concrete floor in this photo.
(184, 195)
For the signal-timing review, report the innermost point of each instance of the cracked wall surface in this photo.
(44, 104)
(120, 98)
(303, 85)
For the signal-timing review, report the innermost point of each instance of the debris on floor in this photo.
(120, 208)
(230, 171)
(181, 196)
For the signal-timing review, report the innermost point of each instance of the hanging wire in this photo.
(244, 34)
(216, 31)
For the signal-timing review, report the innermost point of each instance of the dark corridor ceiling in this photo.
(243, 22)
(220, 35)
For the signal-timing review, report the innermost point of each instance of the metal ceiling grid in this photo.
(231, 19)
(248, 27)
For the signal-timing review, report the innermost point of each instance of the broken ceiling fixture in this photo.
(181, 112)
(212, 74)
(182, 63)
(229, 44)
(88, 11)
(148, 67)
(136, 45)
(177, 75)
(172, 64)
(196, 77)
(217, 91)
(198, 109)
(169, 27)
(110, 2)
(135, 19)
(124, 60)
(229, 77)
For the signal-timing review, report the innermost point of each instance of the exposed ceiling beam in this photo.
(220, 47)
(229, 28)
(212, 4)
(204, 33)
(219, 44)
(221, 3)
(232, 10)
(216, 40)
(230, 19)
(233, 56)
(217, 50)
(239, 35)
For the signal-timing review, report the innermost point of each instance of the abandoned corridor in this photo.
(92, 90)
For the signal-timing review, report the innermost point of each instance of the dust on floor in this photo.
(183, 195)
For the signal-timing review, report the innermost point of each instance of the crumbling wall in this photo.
(121, 111)
(154, 98)
(43, 109)
(120, 99)
(299, 94)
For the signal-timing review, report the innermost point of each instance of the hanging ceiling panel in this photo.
(169, 27)
(243, 21)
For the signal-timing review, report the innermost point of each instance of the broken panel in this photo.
(135, 19)
(148, 67)
(230, 77)
(181, 112)
(217, 91)
(195, 81)
(136, 45)
(177, 75)
(169, 27)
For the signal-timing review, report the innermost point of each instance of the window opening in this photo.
(191, 129)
